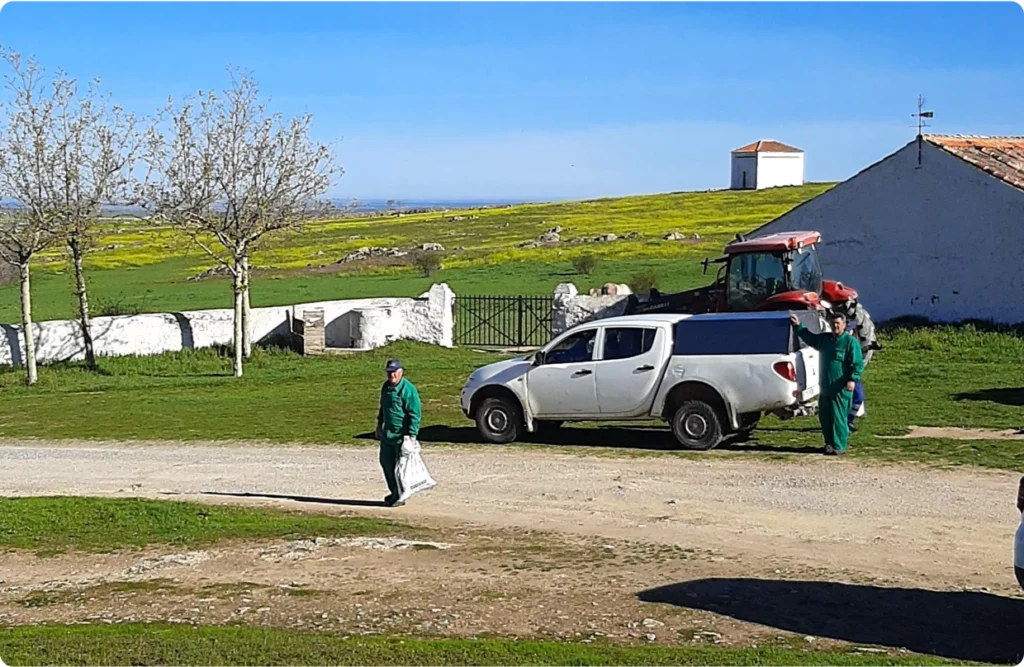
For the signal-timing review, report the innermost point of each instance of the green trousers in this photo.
(834, 414)
(389, 453)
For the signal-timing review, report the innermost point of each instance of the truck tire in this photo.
(697, 425)
(499, 420)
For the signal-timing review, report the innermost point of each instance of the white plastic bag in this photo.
(861, 411)
(410, 470)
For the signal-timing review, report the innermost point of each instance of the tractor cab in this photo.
(775, 272)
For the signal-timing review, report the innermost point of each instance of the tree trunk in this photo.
(26, 323)
(246, 310)
(236, 365)
(83, 302)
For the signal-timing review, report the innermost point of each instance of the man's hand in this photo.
(851, 385)
(794, 320)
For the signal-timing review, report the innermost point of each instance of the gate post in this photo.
(520, 334)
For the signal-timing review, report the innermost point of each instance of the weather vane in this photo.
(921, 115)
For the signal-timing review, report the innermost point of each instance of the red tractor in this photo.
(774, 272)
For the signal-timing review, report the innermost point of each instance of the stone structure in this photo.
(571, 308)
(351, 324)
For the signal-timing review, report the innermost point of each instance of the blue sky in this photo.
(551, 101)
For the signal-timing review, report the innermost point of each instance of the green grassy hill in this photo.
(138, 267)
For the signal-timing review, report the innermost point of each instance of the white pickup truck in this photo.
(707, 375)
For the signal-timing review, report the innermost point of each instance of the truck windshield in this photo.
(754, 277)
(807, 271)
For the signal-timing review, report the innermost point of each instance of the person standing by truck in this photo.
(841, 367)
(861, 327)
(399, 416)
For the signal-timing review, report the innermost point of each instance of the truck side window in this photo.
(626, 342)
(576, 348)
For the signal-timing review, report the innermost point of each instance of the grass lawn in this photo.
(138, 267)
(944, 376)
(181, 645)
(55, 524)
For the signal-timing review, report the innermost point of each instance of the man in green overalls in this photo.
(841, 366)
(399, 416)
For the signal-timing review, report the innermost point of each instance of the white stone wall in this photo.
(571, 308)
(368, 322)
(941, 240)
(779, 169)
(743, 163)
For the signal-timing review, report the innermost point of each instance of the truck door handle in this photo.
(581, 373)
(645, 368)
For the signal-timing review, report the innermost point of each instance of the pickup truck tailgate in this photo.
(807, 374)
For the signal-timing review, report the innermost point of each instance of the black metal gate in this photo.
(503, 321)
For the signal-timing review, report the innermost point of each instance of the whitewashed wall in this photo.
(571, 308)
(743, 163)
(368, 322)
(779, 169)
(941, 240)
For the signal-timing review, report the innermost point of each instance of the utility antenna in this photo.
(921, 115)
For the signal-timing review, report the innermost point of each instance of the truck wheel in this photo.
(499, 420)
(697, 425)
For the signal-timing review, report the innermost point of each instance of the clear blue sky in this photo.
(548, 101)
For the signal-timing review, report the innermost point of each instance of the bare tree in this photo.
(71, 151)
(23, 233)
(230, 174)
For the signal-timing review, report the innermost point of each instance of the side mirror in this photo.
(538, 358)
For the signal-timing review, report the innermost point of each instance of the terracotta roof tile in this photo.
(767, 146)
(1001, 157)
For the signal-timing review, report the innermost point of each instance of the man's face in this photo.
(395, 377)
(838, 325)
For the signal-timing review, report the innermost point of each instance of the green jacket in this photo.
(841, 359)
(399, 413)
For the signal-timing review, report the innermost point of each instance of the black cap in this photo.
(393, 365)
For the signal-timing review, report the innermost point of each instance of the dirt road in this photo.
(548, 544)
(908, 526)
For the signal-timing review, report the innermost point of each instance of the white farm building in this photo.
(935, 230)
(766, 164)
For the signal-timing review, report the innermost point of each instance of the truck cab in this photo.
(707, 375)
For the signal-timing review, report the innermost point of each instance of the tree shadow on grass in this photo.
(962, 625)
(299, 499)
(1013, 396)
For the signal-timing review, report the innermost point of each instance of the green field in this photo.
(945, 376)
(161, 644)
(56, 524)
(138, 267)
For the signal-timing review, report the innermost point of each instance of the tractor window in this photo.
(752, 278)
(807, 271)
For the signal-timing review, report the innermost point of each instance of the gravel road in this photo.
(897, 524)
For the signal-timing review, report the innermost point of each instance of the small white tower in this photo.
(766, 164)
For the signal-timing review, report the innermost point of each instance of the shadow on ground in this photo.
(957, 624)
(1004, 396)
(635, 437)
(299, 499)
